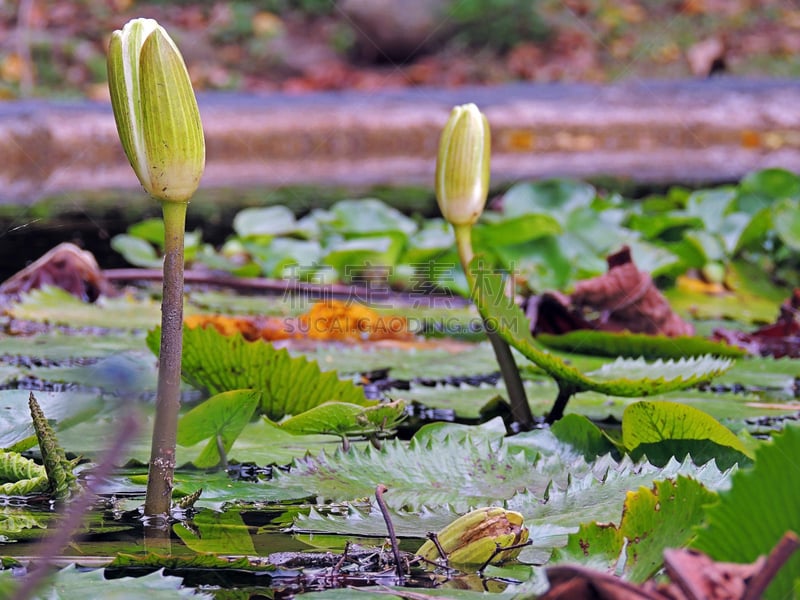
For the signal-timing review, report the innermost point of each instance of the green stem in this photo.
(520, 409)
(162, 453)
(565, 392)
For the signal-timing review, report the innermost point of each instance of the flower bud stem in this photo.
(162, 453)
(520, 409)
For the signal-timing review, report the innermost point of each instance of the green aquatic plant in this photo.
(462, 186)
(159, 126)
(20, 476)
(623, 377)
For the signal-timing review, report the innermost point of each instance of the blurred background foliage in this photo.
(57, 47)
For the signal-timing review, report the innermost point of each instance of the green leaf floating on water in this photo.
(53, 305)
(222, 417)
(264, 222)
(288, 386)
(635, 345)
(762, 504)
(18, 520)
(663, 429)
(135, 250)
(652, 520)
(583, 435)
(621, 378)
(70, 583)
(341, 418)
(533, 472)
(660, 431)
(367, 216)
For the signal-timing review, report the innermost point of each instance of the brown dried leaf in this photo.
(65, 266)
(693, 575)
(780, 339)
(625, 297)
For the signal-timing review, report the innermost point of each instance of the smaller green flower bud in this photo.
(474, 538)
(155, 110)
(462, 166)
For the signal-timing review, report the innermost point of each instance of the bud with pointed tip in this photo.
(156, 111)
(462, 166)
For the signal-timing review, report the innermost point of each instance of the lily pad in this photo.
(786, 220)
(341, 418)
(219, 363)
(636, 345)
(56, 306)
(267, 221)
(652, 520)
(71, 583)
(621, 378)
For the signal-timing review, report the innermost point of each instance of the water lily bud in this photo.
(462, 166)
(473, 538)
(156, 111)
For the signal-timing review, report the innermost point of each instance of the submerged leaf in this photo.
(216, 533)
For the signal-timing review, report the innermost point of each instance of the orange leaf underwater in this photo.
(332, 320)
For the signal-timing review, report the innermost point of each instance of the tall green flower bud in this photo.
(156, 111)
(462, 166)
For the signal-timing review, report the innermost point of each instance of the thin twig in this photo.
(435, 539)
(73, 516)
(340, 562)
(499, 549)
(398, 564)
